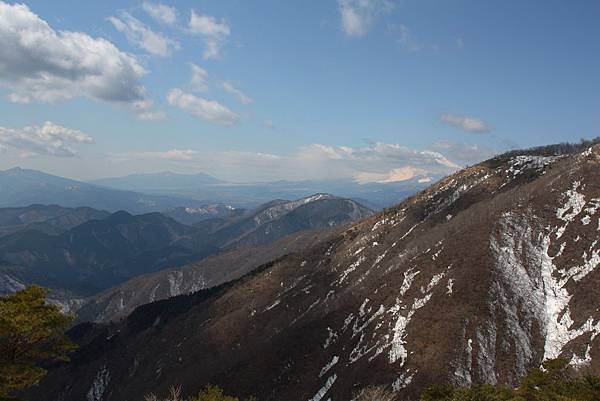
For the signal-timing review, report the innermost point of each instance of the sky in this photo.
(371, 90)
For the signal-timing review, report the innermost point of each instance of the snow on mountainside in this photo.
(485, 274)
(119, 301)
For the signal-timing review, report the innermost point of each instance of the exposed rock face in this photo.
(485, 274)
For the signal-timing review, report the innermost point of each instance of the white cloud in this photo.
(377, 162)
(238, 94)
(199, 78)
(170, 155)
(152, 115)
(160, 12)
(269, 124)
(466, 123)
(142, 36)
(38, 63)
(208, 110)
(394, 175)
(357, 16)
(213, 32)
(144, 111)
(49, 139)
(407, 39)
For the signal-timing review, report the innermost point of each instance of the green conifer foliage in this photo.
(31, 334)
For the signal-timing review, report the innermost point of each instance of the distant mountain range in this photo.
(162, 181)
(211, 190)
(20, 187)
(172, 192)
(101, 253)
(83, 251)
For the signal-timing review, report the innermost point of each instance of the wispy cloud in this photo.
(207, 110)
(358, 16)
(159, 12)
(199, 79)
(170, 155)
(465, 123)
(407, 39)
(377, 162)
(45, 65)
(142, 36)
(463, 154)
(49, 139)
(145, 113)
(213, 32)
(238, 94)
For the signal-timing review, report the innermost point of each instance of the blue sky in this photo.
(375, 90)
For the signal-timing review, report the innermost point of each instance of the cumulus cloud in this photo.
(213, 32)
(142, 36)
(199, 78)
(160, 12)
(38, 63)
(377, 162)
(237, 94)
(207, 110)
(49, 139)
(357, 16)
(466, 123)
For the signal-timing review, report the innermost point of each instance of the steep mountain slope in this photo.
(485, 274)
(50, 219)
(19, 187)
(101, 253)
(118, 302)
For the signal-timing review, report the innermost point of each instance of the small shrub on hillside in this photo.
(210, 393)
(556, 381)
(375, 393)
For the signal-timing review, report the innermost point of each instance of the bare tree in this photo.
(174, 395)
(375, 393)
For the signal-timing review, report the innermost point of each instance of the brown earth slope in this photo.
(485, 274)
(119, 301)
